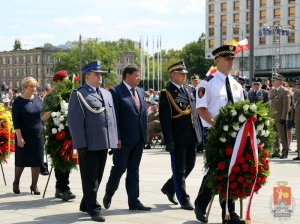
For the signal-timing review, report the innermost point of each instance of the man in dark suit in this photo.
(93, 126)
(131, 112)
(181, 130)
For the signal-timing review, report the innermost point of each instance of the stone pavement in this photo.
(154, 171)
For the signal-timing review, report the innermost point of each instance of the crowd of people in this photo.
(124, 120)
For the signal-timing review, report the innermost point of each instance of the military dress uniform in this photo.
(255, 96)
(181, 131)
(93, 126)
(296, 99)
(280, 101)
(213, 95)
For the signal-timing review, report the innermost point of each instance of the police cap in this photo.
(94, 66)
(177, 67)
(224, 51)
(279, 77)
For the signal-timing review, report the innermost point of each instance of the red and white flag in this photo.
(241, 46)
(211, 71)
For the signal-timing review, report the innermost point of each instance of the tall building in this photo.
(230, 19)
(36, 62)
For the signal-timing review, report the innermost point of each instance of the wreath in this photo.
(238, 148)
(7, 134)
(59, 143)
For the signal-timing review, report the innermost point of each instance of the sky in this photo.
(35, 22)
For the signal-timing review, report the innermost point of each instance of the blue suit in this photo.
(132, 132)
(93, 133)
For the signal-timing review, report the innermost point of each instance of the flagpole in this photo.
(141, 61)
(153, 60)
(158, 64)
(148, 61)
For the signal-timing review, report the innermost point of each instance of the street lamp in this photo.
(237, 27)
(276, 31)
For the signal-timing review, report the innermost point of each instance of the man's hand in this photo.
(170, 147)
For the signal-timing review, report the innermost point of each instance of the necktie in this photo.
(136, 99)
(228, 90)
(98, 90)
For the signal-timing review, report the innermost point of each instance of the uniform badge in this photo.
(201, 92)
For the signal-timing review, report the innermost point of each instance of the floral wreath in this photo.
(237, 150)
(59, 143)
(7, 134)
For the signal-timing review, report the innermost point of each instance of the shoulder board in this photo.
(208, 78)
(164, 90)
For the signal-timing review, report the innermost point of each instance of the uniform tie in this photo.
(228, 90)
(136, 99)
(98, 90)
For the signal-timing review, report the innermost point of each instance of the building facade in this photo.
(16, 65)
(227, 20)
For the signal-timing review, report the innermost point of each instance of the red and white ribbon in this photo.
(248, 129)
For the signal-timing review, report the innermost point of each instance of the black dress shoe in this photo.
(68, 195)
(106, 201)
(148, 146)
(187, 206)
(200, 215)
(275, 155)
(98, 218)
(139, 207)
(170, 196)
(283, 157)
(296, 158)
(82, 209)
(234, 219)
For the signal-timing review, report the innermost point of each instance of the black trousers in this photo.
(127, 158)
(183, 161)
(62, 180)
(91, 164)
(205, 195)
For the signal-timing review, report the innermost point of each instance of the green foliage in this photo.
(220, 143)
(17, 45)
(57, 143)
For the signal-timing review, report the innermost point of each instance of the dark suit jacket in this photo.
(179, 130)
(132, 124)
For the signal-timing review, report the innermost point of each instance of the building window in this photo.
(263, 3)
(247, 16)
(224, 41)
(211, 32)
(10, 72)
(236, 17)
(291, 23)
(236, 5)
(24, 72)
(236, 30)
(262, 40)
(276, 23)
(224, 18)
(291, 38)
(3, 61)
(24, 59)
(263, 14)
(291, 11)
(17, 59)
(211, 8)
(49, 59)
(211, 20)
(211, 43)
(38, 59)
(224, 30)
(31, 59)
(248, 4)
(4, 73)
(276, 2)
(223, 7)
(277, 13)
(291, 1)
(247, 28)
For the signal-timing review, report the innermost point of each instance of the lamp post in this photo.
(275, 31)
(237, 27)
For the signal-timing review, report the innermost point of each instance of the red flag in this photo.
(241, 46)
(211, 71)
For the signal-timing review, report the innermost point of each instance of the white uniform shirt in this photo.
(215, 95)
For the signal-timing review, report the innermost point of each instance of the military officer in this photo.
(280, 101)
(153, 124)
(257, 93)
(181, 131)
(296, 99)
(93, 126)
(213, 93)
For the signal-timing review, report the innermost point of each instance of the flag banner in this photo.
(241, 46)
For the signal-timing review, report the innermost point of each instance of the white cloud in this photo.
(157, 6)
(32, 40)
(194, 6)
(86, 19)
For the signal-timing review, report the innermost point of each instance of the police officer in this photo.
(256, 93)
(181, 131)
(92, 123)
(280, 101)
(296, 99)
(213, 93)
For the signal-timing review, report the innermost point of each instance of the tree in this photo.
(17, 45)
(194, 57)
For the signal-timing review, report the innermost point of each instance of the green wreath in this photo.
(59, 143)
(219, 149)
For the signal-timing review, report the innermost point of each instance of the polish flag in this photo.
(211, 71)
(242, 45)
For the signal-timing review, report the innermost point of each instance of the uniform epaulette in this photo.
(163, 90)
(208, 78)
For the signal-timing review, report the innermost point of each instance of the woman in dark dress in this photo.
(26, 111)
